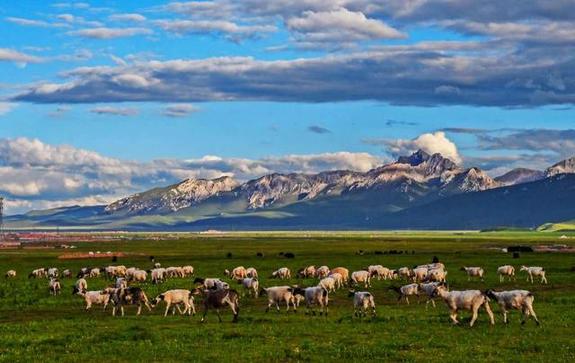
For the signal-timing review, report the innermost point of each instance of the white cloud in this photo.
(127, 17)
(431, 143)
(109, 33)
(11, 55)
(339, 26)
(6, 107)
(180, 110)
(116, 111)
(216, 26)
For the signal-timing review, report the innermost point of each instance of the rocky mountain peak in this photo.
(519, 176)
(472, 180)
(566, 166)
(414, 159)
(174, 197)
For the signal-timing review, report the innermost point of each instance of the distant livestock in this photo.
(473, 272)
(506, 271)
(535, 271)
(361, 277)
(54, 286)
(362, 302)
(281, 273)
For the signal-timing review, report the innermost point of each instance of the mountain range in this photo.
(420, 191)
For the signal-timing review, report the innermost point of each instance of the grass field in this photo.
(35, 326)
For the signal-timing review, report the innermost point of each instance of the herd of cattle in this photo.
(429, 280)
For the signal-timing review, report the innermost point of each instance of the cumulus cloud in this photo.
(179, 110)
(109, 33)
(116, 111)
(34, 174)
(339, 26)
(431, 143)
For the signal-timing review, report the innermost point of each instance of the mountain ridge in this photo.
(388, 196)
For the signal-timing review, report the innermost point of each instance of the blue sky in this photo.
(142, 94)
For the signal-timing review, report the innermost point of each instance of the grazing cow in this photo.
(217, 299)
(10, 274)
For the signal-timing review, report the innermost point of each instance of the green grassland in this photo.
(35, 326)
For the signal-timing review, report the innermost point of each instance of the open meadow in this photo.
(34, 324)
